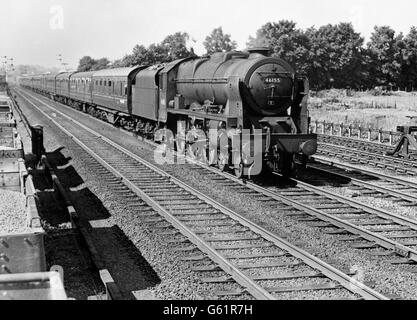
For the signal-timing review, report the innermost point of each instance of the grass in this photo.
(364, 108)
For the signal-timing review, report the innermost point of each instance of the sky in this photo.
(37, 31)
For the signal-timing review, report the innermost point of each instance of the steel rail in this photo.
(398, 161)
(368, 235)
(22, 117)
(252, 287)
(354, 140)
(369, 185)
(411, 223)
(380, 175)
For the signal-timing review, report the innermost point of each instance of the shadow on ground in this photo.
(122, 258)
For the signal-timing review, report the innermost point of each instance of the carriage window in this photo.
(125, 89)
(109, 83)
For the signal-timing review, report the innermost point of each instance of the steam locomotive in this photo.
(232, 93)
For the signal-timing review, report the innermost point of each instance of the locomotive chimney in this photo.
(265, 51)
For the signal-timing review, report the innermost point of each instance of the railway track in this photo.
(397, 165)
(369, 183)
(342, 215)
(366, 153)
(361, 144)
(81, 226)
(238, 246)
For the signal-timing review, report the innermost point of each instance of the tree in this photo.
(34, 69)
(409, 59)
(336, 56)
(175, 46)
(217, 41)
(126, 61)
(286, 42)
(386, 55)
(86, 63)
(100, 64)
(89, 64)
(140, 56)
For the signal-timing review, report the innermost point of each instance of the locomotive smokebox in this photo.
(265, 51)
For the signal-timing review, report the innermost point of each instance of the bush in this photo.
(377, 91)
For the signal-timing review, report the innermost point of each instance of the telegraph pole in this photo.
(4, 63)
(61, 61)
(7, 66)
